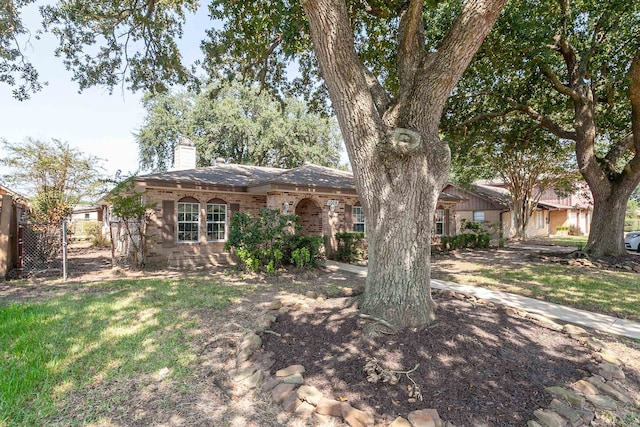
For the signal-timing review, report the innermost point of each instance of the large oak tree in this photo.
(572, 67)
(387, 67)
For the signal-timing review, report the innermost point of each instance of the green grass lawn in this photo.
(569, 241)
(102, 332)
(603, 291)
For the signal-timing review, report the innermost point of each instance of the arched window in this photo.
(216, 220)
(188, 220)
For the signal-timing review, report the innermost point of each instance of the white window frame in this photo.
(211, 221)
(540, 220)
(477, 215)
(359, 220)
(182, 206)
(439, 220)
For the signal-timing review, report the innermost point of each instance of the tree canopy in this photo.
(15, 68)
(238, 123)
(573, 69)
(54, 174)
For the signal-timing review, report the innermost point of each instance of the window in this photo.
(540, 219)
(478, 216)
(439, 222)
(86, 216)
(188, 221)
(359, 224)
(216, 221)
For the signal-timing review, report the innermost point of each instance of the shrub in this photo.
(266, 243)
(93, 229)
(478, 240)
(350, 246)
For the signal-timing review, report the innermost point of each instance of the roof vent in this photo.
(220, 161)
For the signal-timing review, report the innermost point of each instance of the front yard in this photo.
(552, 277)
(141, 351)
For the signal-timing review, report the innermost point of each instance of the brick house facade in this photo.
(193, 207)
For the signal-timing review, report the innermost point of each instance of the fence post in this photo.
(20, 250)
(64, 249)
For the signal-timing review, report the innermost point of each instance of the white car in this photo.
(632, 241)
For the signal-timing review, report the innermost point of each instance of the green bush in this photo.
(93, 229)
(467, 240)
(631, 224)
(350, 246)
(266, 243)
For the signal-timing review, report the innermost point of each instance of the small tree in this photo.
(55, 174)
(134, 215)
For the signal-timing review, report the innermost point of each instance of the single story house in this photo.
(194, 206)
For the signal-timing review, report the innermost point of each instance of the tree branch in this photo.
(618, 149)
(557, 84)
(442, 70)
(380, 96)
(547, 122)
(411, 41)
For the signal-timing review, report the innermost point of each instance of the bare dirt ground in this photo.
(477, 363)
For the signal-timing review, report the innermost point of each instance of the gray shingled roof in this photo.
(231, 175)
(313, 176)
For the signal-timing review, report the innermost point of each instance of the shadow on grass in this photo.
(57, 354)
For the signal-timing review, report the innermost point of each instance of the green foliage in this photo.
(242, 124)
(50, 205)
(15, 68)
(128, 206)
(93, 229)
(106, 42)
(56, 175)
(300, 257)
(266, 242)
(473, 236)
(350, 246)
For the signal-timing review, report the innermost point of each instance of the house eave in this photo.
(191, 186)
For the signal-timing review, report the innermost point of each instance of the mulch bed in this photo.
(477, 363)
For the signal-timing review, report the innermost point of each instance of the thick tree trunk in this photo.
(400, 165)
(607, 224)
(399, 244)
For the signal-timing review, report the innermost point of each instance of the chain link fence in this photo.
(41, 249)
(122, 249)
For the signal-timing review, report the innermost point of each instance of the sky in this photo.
(93, 121)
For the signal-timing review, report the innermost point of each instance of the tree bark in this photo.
(400, 164)
(607, 223)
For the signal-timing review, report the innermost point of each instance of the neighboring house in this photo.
(489, 202)
(81, 215)
(86, 213)
(193, 207)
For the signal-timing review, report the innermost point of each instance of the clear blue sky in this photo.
(93, 121)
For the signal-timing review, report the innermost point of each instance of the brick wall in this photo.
(163, 245)
(164, 248)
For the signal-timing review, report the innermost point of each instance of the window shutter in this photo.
(348, 218)
(447, 218)
(233, 208)
(168, 225)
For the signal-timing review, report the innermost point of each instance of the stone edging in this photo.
(580, 406)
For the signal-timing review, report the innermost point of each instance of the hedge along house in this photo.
(194, 206)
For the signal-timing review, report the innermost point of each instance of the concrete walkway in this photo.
(600, 322)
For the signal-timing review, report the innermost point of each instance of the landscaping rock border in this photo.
(588, 400)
